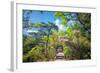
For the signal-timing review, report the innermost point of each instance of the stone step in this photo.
(60, 55)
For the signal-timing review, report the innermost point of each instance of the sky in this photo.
(46, 16)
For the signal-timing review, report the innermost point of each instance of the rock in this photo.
(60, 55)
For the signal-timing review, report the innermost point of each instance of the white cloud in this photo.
(58, 23)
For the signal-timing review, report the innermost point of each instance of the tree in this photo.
(77, 33)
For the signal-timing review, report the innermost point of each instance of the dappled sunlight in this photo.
(56, 36)
(60, 26)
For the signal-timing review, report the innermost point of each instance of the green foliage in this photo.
(76, 39)
(62, 17)
(27, 44)
(85, 20)
(37, 25)
(34, 55)
(70, 33)
(67, 51)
